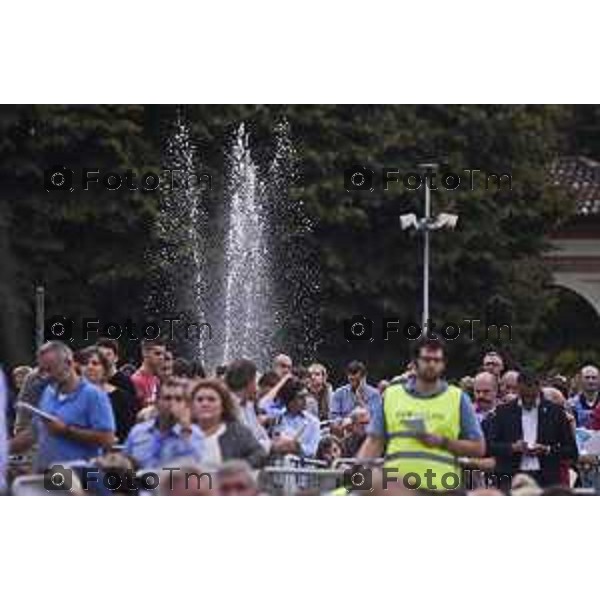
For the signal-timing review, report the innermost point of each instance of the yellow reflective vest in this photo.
(418, 465)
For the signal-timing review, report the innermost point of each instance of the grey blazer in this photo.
(239, 442)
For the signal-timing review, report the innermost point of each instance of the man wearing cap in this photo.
(531, 435)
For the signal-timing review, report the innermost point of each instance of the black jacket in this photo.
(553, 430)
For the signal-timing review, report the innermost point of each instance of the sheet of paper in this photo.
(36, 411)
(588, 441)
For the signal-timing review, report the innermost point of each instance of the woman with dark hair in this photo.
(96, 368)
(330, 449)
(225, 438)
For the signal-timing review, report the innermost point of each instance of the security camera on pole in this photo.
(425, 225)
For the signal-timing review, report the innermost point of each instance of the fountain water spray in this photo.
(248, 313)
(180, 284)
(246, 268)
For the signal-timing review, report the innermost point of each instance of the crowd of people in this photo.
(233, 431)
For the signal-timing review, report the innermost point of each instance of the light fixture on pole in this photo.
(425, 225)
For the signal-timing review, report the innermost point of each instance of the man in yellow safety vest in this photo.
(423, 425)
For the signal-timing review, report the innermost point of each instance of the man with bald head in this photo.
(584, 403)
(509, 386)
(485, 391)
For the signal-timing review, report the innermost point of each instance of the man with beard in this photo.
(423, 425)
(531, 435)
(79, 422)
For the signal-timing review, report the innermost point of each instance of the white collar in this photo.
(536, 405)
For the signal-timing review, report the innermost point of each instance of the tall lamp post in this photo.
(425, 225)
(40, 293)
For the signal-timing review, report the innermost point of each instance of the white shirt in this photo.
(211, 452)
(529, 422)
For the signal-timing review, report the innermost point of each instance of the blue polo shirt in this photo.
(87, 407)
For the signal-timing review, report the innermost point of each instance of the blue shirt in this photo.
(344, 400)
(303, 426)
(582, 410)
(87, 407)
(272, 408)
(470, 429)
(150, 447)
(275, 408)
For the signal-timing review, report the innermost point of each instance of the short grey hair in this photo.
(235, 466)
(59, 348)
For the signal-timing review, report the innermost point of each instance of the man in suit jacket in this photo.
(530, 435)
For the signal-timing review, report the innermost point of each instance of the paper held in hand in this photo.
(36, 411)
(588, 441)
(415, 424)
